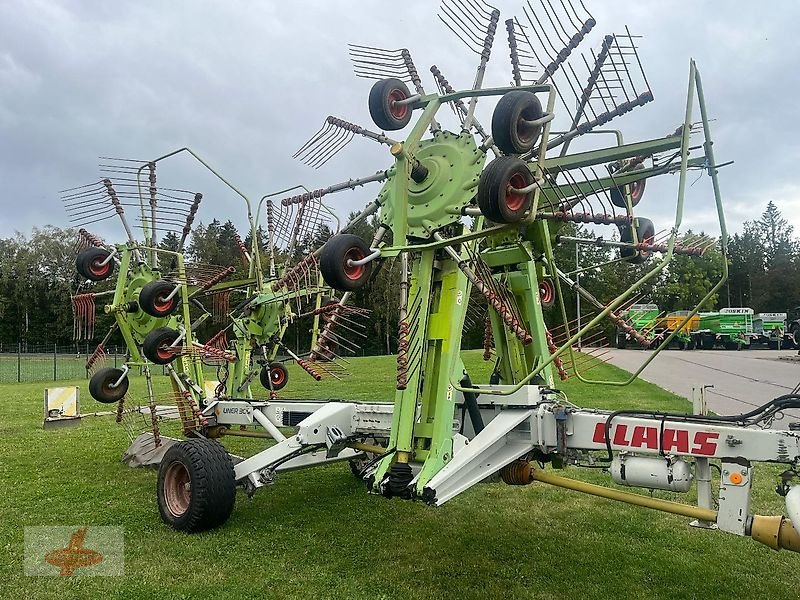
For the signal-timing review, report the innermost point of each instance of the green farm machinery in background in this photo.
(644, 319)
(769, 329)
(731, 328)
(654, 326)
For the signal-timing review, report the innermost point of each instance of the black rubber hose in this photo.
(471, 402)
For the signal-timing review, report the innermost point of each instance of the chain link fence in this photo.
(22, 363)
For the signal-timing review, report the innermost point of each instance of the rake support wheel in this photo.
(153, 298)
(383, 107)
(636, 190)
(93, 264)
(511, 128)
(547, 293)
(334, 262)
(645, 232)
(156, 346)
(277, 374)
(496, 196)
(101, 385)
(196, 485)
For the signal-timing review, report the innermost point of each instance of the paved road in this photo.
(742, 380)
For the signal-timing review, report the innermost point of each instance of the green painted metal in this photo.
(421, 430)
(435, 203)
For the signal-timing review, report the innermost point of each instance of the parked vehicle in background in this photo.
(770, 330)
(731, 328)
(683, 340)
(644, 318)
(793, 326)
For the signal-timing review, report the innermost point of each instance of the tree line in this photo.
(37, 279)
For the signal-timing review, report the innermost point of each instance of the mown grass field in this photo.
(317, 534)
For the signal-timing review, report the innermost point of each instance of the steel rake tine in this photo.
(545, 4)
(342, 139)
(323, 131)
(467, 23)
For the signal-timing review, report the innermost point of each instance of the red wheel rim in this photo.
(546, 291)
(636, 189)
(277, 376)
(516, 201)
(177, 489)
(98, 269)
(162, 305)
(398, 111)
(354, 272)
(165, 352)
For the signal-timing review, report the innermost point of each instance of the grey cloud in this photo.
(246, 83)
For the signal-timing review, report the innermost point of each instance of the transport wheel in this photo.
(511, 128)
(156, 346)
(101, 385)
(691, 344)
(645, 232)
(681, 345)
(622, 341)
(89, 264)
(196, 485)
(636, 190)
(153, 298)
(547, 293)
(496, 199)
(276, 372)
(383, 109)
(708, 341)
(333, 262)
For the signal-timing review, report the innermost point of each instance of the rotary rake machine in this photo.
(471, 214)
(159, 300)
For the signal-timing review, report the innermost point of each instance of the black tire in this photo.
(636, 190)
(333, 262)
(152, 298)
(100, 385)
(622, 341)
(196, 485)
(385, 114)
(154, 346)
(88, 264)
(681, 345)
(495, 200)
(547, 293)
(510, 131)
(796, 336)
(709, 341)
(278, 373)
(645, 232)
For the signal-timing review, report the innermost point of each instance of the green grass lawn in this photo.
(318, 534)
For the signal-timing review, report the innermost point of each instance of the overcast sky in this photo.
(246, 83)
